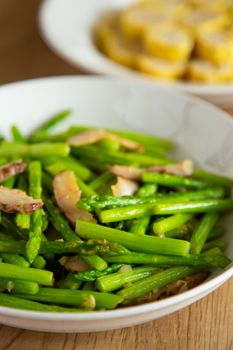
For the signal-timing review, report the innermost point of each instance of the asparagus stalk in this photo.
(119, 279)
(19, 303)
(116, 157)
(102, 182)
(213, 179)
(214, 244)
(63, 228)
(17, 135)
(183, 231)
(216, 232)
(39, 262)
(51, 123)
(202, 231)
(102, 202)
(201, 206)
(26, 273)
(56, 164)
(92, 275)
(173, 181)
(35, 190)
(139, 226)
(172, 222)
(34, 150)
(70, 282)
(147, 190)
(147, 244)
(18, 286)
(74, 297)
(157, 281)
(15, 259)
(22, 220)
(216, 261)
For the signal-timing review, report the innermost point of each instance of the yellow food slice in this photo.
(104, 29)
(208, 72)
(216, 47)
(205, 20)
(171, 44)
(134, 20)
(160, 68)
(121, 50)
(216, 4)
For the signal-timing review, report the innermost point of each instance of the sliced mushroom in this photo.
(182, 168)
(127, 172)
(74, 264)
(96, 135)
(12, 169)
(17, 201)
(124, 187)
(68, 194)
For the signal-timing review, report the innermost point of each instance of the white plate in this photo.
(67, 26)
(199, 130)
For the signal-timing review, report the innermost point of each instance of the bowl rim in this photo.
(111, 68)
(202, 289)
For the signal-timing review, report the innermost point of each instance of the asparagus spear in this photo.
(139, 226)
(26, 273)
(15, 259)
(51, 123)
(37, 150)
(92, 275)
(22, 220)
(102, 182)
(216, 232)
(19, 303)
(56, 164)
(157, 281)
(108, 157)
(70, 282)
(102, 202)
(117, 280)
(201, 206)
(202, 231)
(147, 244)
(202, 260)
(62, 227)
(184, 231)
(173, 181)
(172, 222)
(214, 244)
(74, 297)
(18, 286)
(35, 190)
(17, 135)
(39, 262)
(213, 179)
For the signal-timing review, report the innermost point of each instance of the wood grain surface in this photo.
(206, 325)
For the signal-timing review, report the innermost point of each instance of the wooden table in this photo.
(206, 325)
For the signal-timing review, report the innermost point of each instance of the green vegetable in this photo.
(147, 244)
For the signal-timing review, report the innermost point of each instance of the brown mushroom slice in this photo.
(127, 172)
(74, 264)
(182, 168)
(17, 201)
(12, 169)
(124, 187)
(92, 136)
(68, 194)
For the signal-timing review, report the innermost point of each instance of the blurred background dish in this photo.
(182, 44)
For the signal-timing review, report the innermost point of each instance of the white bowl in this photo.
(67, 28)
(198, 129)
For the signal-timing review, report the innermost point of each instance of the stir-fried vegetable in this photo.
(94, 219)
